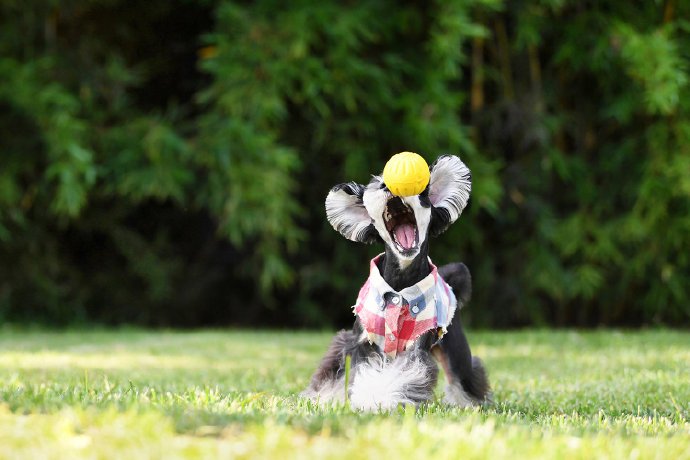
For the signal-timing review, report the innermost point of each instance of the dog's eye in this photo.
(424, 199)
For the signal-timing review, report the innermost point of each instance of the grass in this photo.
(113, 394)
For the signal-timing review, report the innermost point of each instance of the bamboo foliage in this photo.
(168, 164)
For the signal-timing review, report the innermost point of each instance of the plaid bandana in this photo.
(394, 320)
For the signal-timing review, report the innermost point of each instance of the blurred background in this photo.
(165, 163)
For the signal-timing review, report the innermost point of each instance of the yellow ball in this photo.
(406, 174)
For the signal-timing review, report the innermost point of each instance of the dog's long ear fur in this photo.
(449, 191)
(346, 213)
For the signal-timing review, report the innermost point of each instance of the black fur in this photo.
(458, 276)
(440, 221)
(399, 279)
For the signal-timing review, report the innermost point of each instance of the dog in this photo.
(408, 310)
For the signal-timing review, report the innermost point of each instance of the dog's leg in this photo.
(376, 383)
(328, 384)
(468, 384)
(467, 381)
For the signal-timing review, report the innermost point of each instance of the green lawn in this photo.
(110, 394)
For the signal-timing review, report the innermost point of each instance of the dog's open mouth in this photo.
(401, 225)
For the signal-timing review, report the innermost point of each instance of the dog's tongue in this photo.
(405, 235)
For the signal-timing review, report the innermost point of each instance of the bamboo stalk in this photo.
(669, 11)
(535, 75)
(504, 58)
(477, 91)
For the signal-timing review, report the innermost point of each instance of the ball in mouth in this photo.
(401, 225)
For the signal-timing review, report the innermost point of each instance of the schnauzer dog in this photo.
(408, 310)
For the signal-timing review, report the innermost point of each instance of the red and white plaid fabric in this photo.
(393, 319)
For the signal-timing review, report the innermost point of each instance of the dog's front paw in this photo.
(456, 396)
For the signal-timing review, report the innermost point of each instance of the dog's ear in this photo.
(346, 213)
(449, 191)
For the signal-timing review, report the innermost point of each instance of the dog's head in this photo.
(372, 213)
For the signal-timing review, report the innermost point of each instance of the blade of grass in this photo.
(348, 363)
